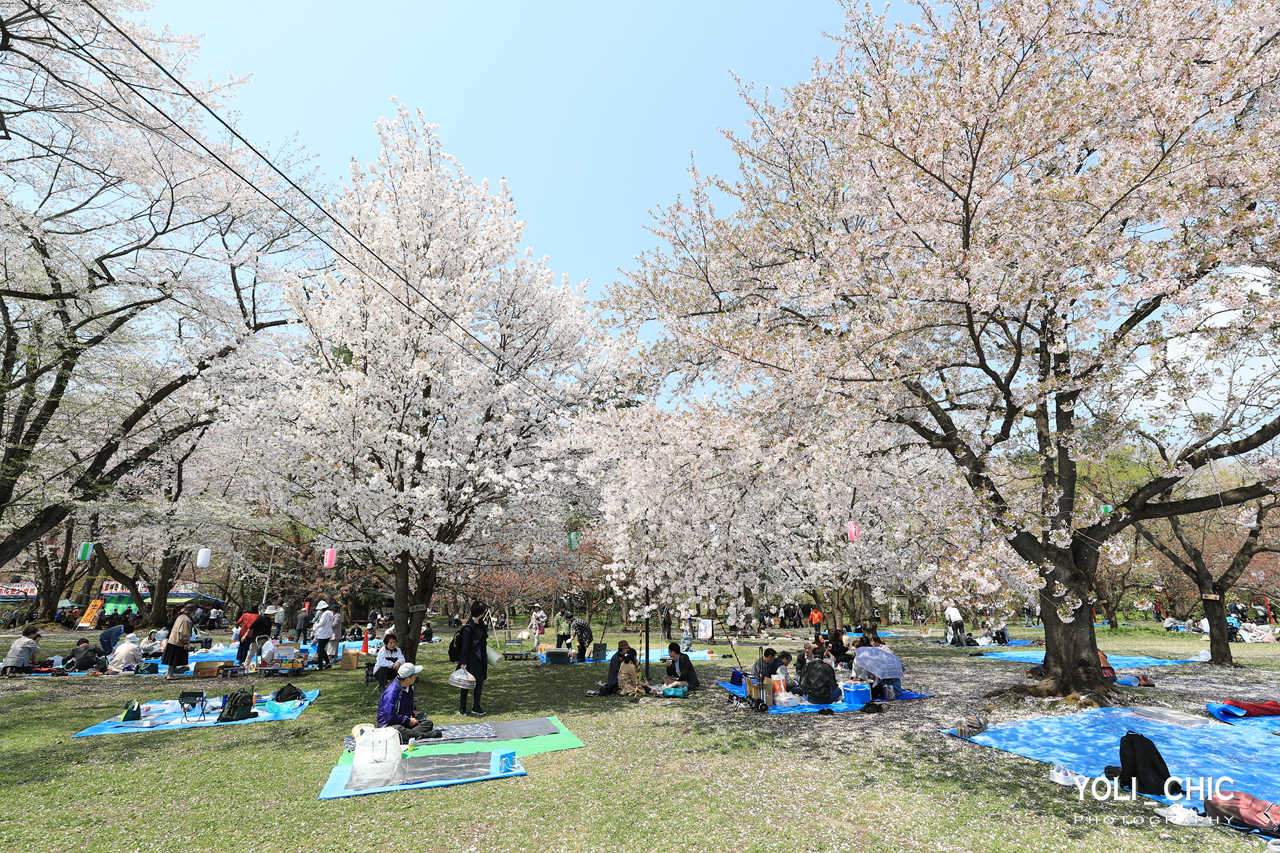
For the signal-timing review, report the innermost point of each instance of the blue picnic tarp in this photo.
(166, 716)
(1089, 741)
(1117, 661)
(1235, 716)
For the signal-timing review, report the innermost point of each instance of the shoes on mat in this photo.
(971, 726)
(1060, 775)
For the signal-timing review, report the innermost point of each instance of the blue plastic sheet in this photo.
(837, 707)
(1117, 661)
(336, 786)
(1089, 741)
(166, 716)
(1235, 716)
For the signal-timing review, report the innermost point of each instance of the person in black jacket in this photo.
(680, 670)
(820, 683)
(473, 657)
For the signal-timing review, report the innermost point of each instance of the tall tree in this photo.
(420, 397)
(1018, 228)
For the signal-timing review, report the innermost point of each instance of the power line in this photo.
(106, 70)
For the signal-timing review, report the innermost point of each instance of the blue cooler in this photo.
(856, 693)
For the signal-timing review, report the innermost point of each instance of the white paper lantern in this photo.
(202, 558)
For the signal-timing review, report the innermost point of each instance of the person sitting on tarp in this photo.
(784, 672)
(389, 660)
(680, 672)
(84, 658)
(153, 645)
(396, 707)
(126, 655)
(628, 678)
(881, 687)
(802, 661)
(820, 686)
(24, 654)
(611, 683)
(765, 666)
(839, 652)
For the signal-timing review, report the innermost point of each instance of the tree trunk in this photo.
(1216, 613)
(866, 614)
(1070, 648)
(1109, 611)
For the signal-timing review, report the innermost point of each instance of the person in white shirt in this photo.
(955, 625)
(324, 633)
(126, 654)
(389, 659)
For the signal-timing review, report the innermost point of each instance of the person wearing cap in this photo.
(680, 672)
(175, 645)
(278, 614)
(127, 654)
(324, 633)
(24, 653)
(390, 658)
(396, 707)
(537, 622)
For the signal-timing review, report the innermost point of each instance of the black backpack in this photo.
(239, 706)
(1140, 760)
(455, 648)
(289, 693)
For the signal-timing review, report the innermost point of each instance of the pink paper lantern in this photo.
(330, 558)
(855, 531)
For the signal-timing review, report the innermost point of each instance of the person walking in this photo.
(175, 645)
(666, 623)
(279, 622)
(335, 645)
(324, 633)
(302, 626)
(473, 648)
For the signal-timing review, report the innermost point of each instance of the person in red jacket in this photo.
(815, 619)
(245, 624)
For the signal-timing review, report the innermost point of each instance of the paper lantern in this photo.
(330, 558)
(573, 541)
(855, 531)
(202, 558)
(86, 550)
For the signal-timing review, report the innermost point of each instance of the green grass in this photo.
(658, 775)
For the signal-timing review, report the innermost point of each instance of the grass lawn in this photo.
(658, 775)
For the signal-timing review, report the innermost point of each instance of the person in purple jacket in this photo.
(396, 709)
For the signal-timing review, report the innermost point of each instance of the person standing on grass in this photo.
(279, 622)
(561, 627)
(335, 644)
(324, 633)
(244, 628)
(473, 656)
(302, 625)
(955, 624)
(581, 630)
(666, 623)
(175, 645)
(259, 633)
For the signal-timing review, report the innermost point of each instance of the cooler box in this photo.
(557, 655)
(857, 693)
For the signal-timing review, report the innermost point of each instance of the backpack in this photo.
(289, 693)
(239, 706)
(455, 648)
(1243, 810)
(1140, 760)
(149, 668)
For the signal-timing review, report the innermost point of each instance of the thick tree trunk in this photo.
(1071, 651)
(866, 614)
(1109, 611)
(1215, 612)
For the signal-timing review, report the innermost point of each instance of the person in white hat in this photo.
(127, 654)
(396, 707)
(324, 633)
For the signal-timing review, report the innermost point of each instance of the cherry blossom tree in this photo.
(1025, 232)
(414, 409)
(136, 267)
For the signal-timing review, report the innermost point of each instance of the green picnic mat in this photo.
(522, 746)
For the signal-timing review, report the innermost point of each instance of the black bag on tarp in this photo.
(1141, 760)
(239, 706)
(289, 693)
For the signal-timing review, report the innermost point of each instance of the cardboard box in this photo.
(753, 690)
(350, 660)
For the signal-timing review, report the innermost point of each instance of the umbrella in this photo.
(880, 662)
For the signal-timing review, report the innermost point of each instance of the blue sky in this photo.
(590, 110)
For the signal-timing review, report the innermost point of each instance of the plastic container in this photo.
(857, 693)
(462, 679)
